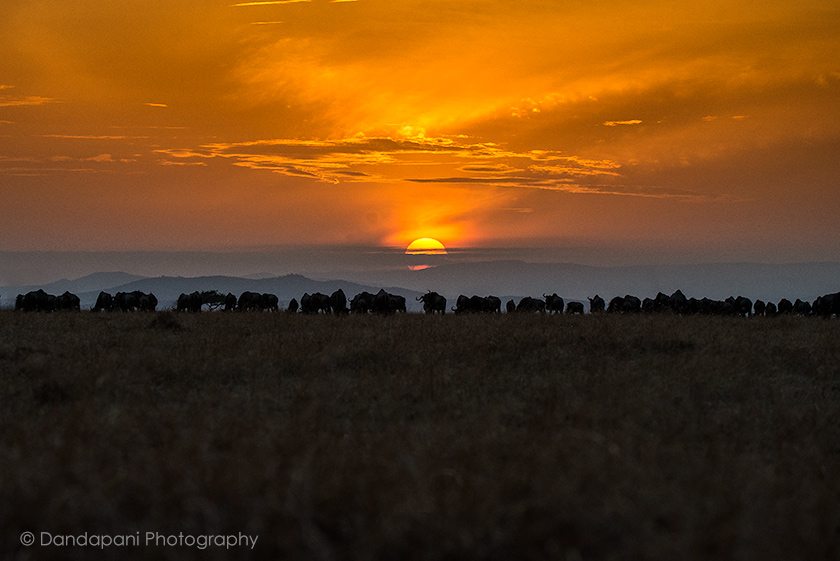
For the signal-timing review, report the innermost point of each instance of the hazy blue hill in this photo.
(88, 283)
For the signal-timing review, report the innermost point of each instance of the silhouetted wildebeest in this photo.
(649, 305)
(827, 305)
(386, 303)
(679, 302)
(35, 301)
(632, 304)
(740, 306)
(321, 302)
(574, 308)
(148, 302)
(125, 302)
(189, 302)
(134, 301)
(802, 308)
(269, 302)
(510, 307)
(293, 306)
(213, 299)
(433, 303)
(477, 304)
(616, 305)
(759, 307)
(315, 303)
(361, 303)
(396, 303)
(553, 303)
(338, 302)
(104, 303)
(249, 301)
(306, 306)
(711, 307)
(531, 305)
(692, 306)
(596, 305)
(462, 305)
(662, 303)
(785, 306)
(68, 301)
(770, 309)
(625, 305)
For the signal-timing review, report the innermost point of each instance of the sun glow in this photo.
(425, 246)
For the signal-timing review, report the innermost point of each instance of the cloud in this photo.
(386, 160)
(266, 3)
(23, 101)
(93, 136)
(151, 104)
(58, 165)
(621, 123)
(489, 168)
(181, 164)
(564, 185)
(41, 171)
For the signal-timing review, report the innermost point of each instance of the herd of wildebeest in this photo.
(433, 303)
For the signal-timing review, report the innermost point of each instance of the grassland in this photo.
(418, 437)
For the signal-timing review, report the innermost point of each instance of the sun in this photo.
(425, 246)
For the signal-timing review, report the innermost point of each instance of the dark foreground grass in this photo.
(423, 437)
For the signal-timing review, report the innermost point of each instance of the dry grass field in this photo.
(412, 437)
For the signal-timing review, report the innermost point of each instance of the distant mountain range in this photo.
(167, 289)
(507, 279)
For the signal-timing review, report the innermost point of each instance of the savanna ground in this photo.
(416, 437)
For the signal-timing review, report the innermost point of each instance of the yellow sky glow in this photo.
(479, 122)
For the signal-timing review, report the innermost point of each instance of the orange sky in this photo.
(202, 125)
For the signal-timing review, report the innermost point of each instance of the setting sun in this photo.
(425, 246)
